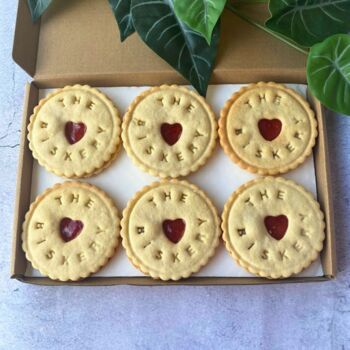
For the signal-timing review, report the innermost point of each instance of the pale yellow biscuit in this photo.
(169, 131)
(273, 227)
(75, 132)
(267, 128)
(170, 229)
(71, 231)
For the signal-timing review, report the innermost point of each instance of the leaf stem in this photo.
(267, 30)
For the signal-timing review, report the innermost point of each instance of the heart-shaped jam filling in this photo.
(174, 229)
(74, 132)
(270, 128)
(70, 229)
(276, 226)
(171, 132)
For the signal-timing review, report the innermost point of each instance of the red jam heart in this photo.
(174, 229)
(269, 128)
(70, 229)
(171, 132)
(276, 226)
(74, 132)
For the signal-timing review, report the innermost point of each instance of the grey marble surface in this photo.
(296, 316)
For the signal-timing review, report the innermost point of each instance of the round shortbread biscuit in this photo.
(71, 231)
(170, 229)
(267, 128)
(169, 131)
(273, 227)
(75, 132)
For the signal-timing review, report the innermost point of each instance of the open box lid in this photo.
(78, 41)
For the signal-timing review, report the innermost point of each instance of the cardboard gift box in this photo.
(77, 41)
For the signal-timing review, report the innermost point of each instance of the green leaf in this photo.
(309, 22)
(200, 15)
(37, 7)
(184, 49)
(122, 14)
(328, 72)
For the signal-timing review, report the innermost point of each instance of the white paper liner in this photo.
(218, 178)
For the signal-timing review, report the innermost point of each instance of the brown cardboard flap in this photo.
(79, 41)
(324, 192)
(26, 39)
(147, 281)
(24, 182)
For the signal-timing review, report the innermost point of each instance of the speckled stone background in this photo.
(294, 316)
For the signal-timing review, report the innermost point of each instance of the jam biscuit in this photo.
(71, 231)
(170, 229)
(169, 131)
(267, 128)
(75, 132)
(273, 227)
